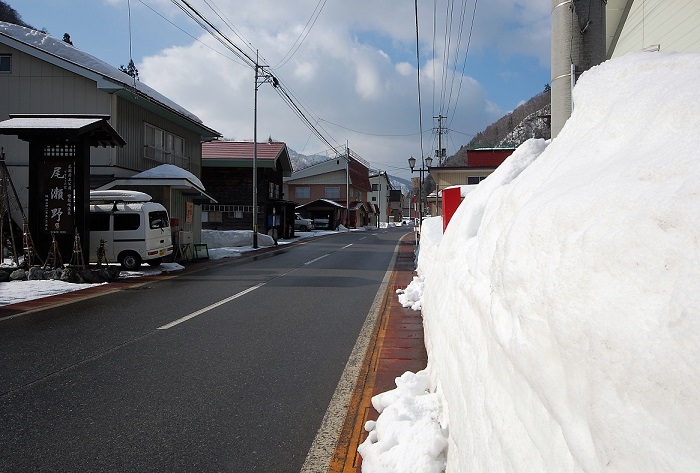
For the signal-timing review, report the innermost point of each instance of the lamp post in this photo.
(412, 163)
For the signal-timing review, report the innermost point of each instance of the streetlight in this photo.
(412, 163)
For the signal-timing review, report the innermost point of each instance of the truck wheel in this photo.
(130, 261)
(303, 228)
(154, 262)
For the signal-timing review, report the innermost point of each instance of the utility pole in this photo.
(440, 153)
(347, 185)
(578, 43)
(261, 76)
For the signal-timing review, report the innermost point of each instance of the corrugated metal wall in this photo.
(132, 155)
(673, 25)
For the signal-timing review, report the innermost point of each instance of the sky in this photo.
(351, 66)
(560, 304)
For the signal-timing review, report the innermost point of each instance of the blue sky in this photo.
(355, 73)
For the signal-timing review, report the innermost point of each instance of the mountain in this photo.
(302, 161)
(529, 120)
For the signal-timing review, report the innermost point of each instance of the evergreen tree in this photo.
(130, 69)
(9, 14)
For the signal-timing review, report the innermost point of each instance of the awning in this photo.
(94, 129)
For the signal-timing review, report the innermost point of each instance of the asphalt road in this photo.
(229, 369)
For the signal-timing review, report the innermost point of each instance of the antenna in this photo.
(131, 56)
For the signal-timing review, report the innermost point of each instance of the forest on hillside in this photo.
(529, 120)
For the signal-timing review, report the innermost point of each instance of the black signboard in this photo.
(59, 190)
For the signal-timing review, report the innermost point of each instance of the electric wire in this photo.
(420, 105)
(282, 91)
(304, 32)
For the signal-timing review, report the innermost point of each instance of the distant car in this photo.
(303, 224)
(321, 223)
(407, 221)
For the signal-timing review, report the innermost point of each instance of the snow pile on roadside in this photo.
(234, 238)
(408, 432)
(560, 306)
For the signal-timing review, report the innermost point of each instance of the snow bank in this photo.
(560, 306)
(234, 238)
(408, 432)
(560, 309)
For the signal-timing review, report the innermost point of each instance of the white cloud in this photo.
(353, 69)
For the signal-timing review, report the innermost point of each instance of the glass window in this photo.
(475, 179)
(99, 222)
(124, 222)
(5, 63)
(158, 219)
(302, 192)
(332, 192)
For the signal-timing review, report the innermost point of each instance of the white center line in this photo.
(347, 246)
(316, 259)
(210, 307)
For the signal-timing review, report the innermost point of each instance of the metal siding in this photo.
(131, 127)
(667, 23)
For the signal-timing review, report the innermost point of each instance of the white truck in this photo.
(129, 227)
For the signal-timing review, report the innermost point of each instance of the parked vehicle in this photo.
(303, 224)
(133, 228)
(321, 223)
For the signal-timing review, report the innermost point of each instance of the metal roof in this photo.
(240, 154)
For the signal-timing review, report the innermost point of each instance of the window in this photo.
(302, 192)
(124, 222)
(99, 222)
(475, 179)
(374, 199)
(158, 219)
(164, 147)
(375, 187)
(6, 63)
(332, 192)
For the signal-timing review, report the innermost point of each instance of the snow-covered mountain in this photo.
(301, 161)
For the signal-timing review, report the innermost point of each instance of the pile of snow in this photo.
(408, 432)
(560, 307)
(234, 239)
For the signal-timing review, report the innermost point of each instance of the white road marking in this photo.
(210, 307)
(319, 455)
(316, 259)
(347, 246)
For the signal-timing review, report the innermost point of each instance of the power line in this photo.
(304, 32)
(286, 95)
(420, 106)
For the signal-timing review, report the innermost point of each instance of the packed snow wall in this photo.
(561, 306)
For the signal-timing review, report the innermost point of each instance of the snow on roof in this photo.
(66, 52)
(169, 171)
(49, 123)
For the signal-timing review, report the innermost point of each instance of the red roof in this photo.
(487, 158)
(241, 149)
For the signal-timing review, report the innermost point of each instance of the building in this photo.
(227, 173)
(342, 180)
(378, 199)
(587, 32)
(42, 75)
(480, 164)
